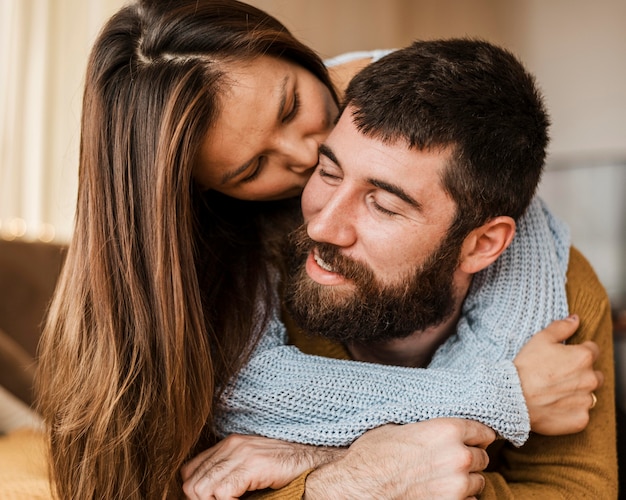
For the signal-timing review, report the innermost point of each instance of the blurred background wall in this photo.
(576, 48)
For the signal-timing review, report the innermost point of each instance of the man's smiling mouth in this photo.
(324, 265)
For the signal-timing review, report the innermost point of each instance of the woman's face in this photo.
(264, 144)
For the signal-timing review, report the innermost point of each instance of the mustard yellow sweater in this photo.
(578, 466)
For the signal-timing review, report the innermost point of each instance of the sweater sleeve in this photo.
(285, 394)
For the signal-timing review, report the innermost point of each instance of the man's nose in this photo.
(334, 223)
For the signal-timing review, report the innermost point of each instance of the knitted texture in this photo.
(518, 295)
(285, 394)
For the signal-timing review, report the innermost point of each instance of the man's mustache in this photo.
(331, 254)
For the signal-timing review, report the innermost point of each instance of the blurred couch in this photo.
(28, 276)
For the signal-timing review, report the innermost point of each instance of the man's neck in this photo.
(415, 351)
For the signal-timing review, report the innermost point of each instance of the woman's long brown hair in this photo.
(156, 308)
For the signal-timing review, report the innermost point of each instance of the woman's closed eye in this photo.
(295, 106)
(256, 171)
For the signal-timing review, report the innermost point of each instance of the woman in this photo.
(188, 180)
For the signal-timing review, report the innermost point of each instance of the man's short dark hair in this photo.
(472, 97)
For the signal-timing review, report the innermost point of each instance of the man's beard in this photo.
(368, 311)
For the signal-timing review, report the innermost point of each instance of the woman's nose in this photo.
(301, 155)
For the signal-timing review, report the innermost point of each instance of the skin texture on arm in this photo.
(224, 470)
(582, 465)
(439, 458)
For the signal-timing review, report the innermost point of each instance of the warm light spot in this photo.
(16, 228)
(47, 233)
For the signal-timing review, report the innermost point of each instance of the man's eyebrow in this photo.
(227, 176)
(397, 191)
(385, 186)
(328, 153)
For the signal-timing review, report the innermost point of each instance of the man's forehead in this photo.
(347, 132)
(347, 127)
(347, 137)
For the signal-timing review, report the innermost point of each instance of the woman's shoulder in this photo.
(358, 55)
(344, 66)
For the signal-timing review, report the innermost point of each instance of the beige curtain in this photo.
(43, 49)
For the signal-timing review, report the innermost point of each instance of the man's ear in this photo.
(486, 243)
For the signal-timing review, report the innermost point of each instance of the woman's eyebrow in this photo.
(283, 97)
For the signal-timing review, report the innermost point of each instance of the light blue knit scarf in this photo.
(285, 394)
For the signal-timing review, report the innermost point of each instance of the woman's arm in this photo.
(516, 296)
(285, 394)
(342, 73)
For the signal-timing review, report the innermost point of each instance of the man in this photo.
(438, 151)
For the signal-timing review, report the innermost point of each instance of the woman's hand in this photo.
(246, 463)
(558, 379)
